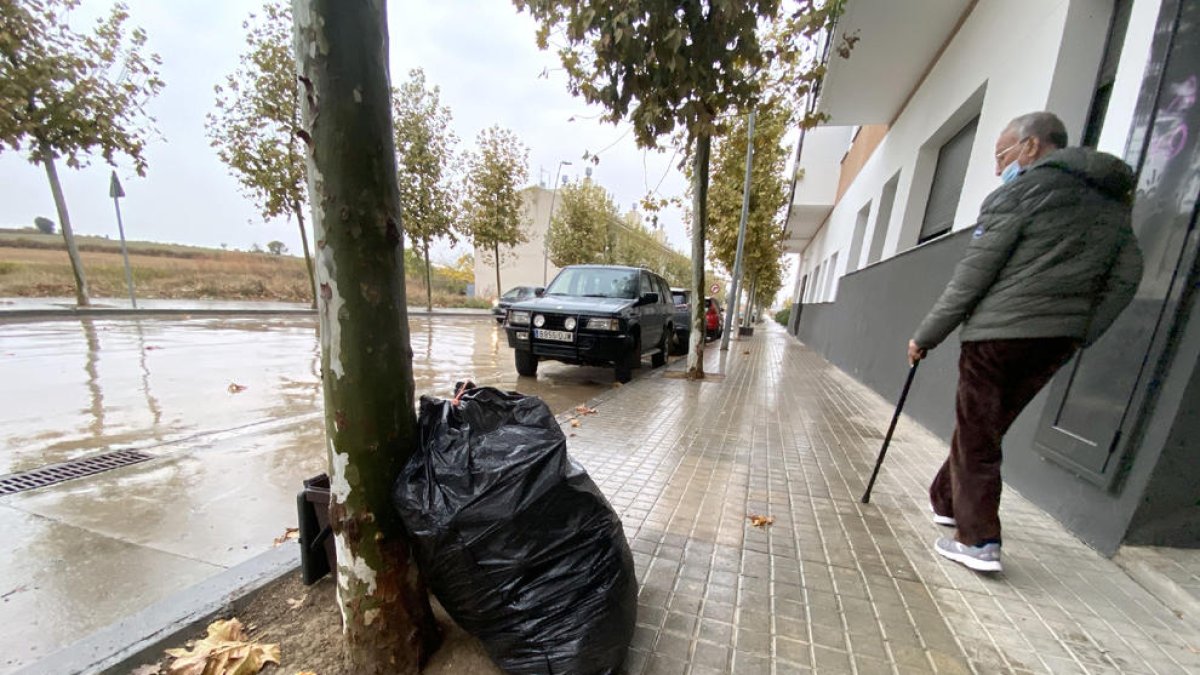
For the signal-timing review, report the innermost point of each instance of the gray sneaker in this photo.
(948, 521)
(984, 558)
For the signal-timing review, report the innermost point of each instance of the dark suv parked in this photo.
(713, 318)
(598, 315)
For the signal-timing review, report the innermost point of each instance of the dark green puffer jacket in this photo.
(1052, 255)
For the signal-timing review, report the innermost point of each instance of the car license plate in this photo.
(556, 335)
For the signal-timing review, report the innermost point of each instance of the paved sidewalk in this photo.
(834, 586)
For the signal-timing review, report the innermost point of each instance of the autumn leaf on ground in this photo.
(148, 669)
(306, 672)
(575, 423)
(226, 650)
(289, 533)
(151, 348)
(746, 352)
(584, 410)
(617, 385)
(297, 603)
(235, 388)
(761, 521)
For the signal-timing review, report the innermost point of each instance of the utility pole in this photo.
(549, 218)
(737, 262)
(116, 192)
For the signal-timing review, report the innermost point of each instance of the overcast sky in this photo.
(481, 54)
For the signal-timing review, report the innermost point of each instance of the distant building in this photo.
(526, 264)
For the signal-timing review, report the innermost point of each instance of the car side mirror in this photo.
(648, 299)
(539, 291)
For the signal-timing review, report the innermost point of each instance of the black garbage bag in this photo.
(514, 538)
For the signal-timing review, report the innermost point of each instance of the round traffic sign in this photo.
(714, 289)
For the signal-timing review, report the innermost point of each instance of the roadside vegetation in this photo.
(33, 264)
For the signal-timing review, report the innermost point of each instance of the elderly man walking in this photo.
(1051, 263)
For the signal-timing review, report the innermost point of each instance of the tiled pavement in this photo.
(834, 586)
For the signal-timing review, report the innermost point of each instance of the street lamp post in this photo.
(550, 217)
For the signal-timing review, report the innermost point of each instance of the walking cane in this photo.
(912, 371)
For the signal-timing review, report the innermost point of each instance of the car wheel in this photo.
(679, 343)
(526, 363)
(660, 359)
(624, 369)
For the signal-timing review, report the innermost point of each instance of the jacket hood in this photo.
(1102, 171)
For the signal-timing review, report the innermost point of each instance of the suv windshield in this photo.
(595, 282)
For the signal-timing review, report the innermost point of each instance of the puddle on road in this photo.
(232, 463)
(74, 388)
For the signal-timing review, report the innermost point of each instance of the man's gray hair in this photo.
(1044, 126)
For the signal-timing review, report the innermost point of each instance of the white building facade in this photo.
(525, 264)
(997, 59)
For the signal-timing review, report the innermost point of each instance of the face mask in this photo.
(1010, 172)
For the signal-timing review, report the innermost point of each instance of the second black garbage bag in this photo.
(514, 538)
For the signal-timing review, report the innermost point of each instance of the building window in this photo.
(1108, 72)
(814, 293)
(882, 219)
(860, 233)
(831, 279)
(948, 182)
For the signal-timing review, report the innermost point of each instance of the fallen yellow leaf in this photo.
(761, 521)
(576, 423)
(226, 650)
(235, 388)
(584, 410)
(289, 533)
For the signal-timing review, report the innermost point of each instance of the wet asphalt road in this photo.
(226, 466)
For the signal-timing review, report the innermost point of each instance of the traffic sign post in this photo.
(116, 192)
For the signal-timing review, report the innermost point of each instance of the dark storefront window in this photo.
(948, 182)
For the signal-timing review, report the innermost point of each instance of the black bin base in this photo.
(317, 553)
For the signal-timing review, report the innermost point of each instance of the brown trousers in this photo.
(996, 380)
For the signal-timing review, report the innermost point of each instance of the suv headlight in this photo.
(603, 324)
(518, 318)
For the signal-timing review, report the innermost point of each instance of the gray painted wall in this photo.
(865, 333)
(1169, 513)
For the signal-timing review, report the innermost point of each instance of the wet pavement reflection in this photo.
(226, 465)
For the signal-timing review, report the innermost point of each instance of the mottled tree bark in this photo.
(428, 277)
(695, 357)
(308, 262)
(64, 222)
(366, 358)
(496, 258)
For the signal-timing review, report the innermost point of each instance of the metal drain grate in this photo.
(58, 473)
